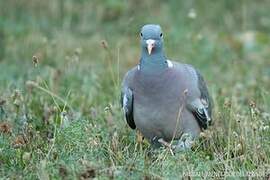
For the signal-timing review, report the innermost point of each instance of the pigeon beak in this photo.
(150, 45)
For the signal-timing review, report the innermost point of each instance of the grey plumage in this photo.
(161, 98)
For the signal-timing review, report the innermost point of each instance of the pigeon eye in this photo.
(161, 35)
(141, 35)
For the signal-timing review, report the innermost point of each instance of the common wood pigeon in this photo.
(164, 100)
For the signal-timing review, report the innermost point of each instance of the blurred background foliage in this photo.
(222, 34)
(81, 51)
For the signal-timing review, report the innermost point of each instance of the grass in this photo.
(60, 116)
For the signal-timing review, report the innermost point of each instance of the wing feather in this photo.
(127, 97)
(127, 105)
(203, 112)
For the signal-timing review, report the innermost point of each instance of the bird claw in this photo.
(167, 145)
(185, 143)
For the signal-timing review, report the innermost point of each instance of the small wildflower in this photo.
(235, 134)
(248, 39)
(54, 109)
(64, 119)
(192, 14)
(78, 51)
(17, 98)
(16, 102)
(254, 110)
(108, 108)
(30, 85)
(5, 128)
(238, 147)
(227, 103)
(104, 44)
(35, 60)
(19, 142)
(252, 103)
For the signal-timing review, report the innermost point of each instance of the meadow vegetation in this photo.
(61, 66)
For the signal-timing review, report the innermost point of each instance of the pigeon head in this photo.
(151, 39)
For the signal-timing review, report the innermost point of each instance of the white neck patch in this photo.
(170, 64)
